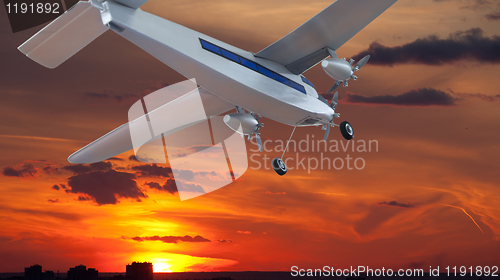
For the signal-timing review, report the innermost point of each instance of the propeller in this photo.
(259, 141)
(341, 70)
(327, 131)
(247, 122)
(335, 101)
(257, 133)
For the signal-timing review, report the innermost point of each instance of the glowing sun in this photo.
(161, 266)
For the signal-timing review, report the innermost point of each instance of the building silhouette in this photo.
(48, 275)
(139, 271)
(34, 272)
(81, 273)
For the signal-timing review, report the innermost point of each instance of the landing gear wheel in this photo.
(279, 166)
(346, 130)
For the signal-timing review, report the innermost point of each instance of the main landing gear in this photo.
(346, 130)
(278, 164)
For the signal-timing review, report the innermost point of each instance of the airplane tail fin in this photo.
(65, 36)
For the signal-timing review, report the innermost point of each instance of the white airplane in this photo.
(268, 83)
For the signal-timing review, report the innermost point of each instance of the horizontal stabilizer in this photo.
(65, 36)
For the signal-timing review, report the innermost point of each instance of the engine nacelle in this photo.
(249, 125)
(339, 69)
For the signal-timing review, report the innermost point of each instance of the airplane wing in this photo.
(119, 140)
(307, 45)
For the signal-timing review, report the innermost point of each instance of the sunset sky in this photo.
(427, 196)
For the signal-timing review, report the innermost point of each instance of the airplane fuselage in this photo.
(235, 75)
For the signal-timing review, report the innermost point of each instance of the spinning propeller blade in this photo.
(335, 100)
(259, 141)
(360, 63)
(327, 132)
(335, 86)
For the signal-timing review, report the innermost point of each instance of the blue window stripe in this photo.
(265, 71)
(210, 47)
(254, 66)
(307, 81)
(297, 86)
(282, 79)
(230, 55)
(248, 63)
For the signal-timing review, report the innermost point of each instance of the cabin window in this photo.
(230, 55)
(306, 81)
(281, 79)
(297, 86)
(248, 63)
(265, 71)
(254, 66)
(210, 47)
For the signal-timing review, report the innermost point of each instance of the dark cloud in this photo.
(480, 96)
(493, 16)
(133, 158)
(472, 5)
(84, 168)
(470, 44)
(115, 159)
(27, 170)
(199, 148)
(188, 175)
(172, 186)
(84, 198)
(394, 203)
(96, 96)
(188, 187)
(153, 185)
(53, 200)
(415, 97)
(169, 186)
(171, 239)
(153, 170)
(50, 169)
(184, 174)
(56, 187)
(105, 186)
(12, 172)
(225, 240)
(478, 4)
